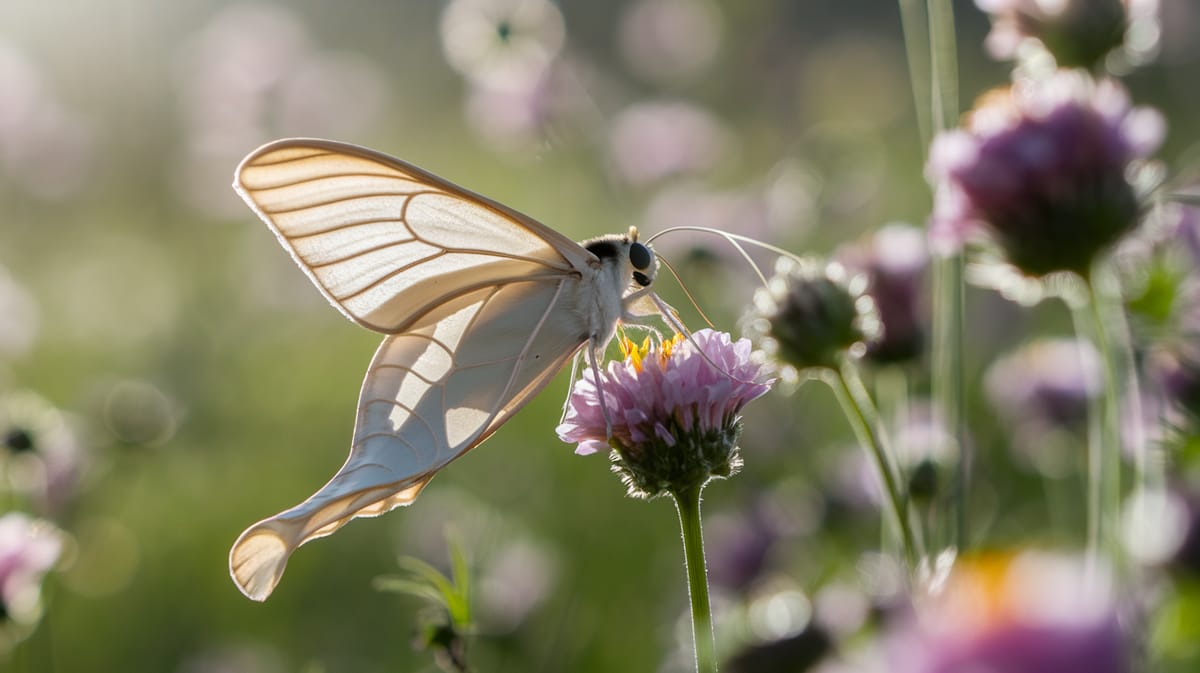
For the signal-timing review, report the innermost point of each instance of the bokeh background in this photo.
(197, 382)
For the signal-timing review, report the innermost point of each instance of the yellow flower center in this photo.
(635, 354)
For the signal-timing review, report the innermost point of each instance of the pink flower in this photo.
(28, 549)
(673, 411)
(1041, 169)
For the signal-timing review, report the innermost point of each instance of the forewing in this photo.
(431, 394)
(385, 241)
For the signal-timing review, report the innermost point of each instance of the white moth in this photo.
(481, 307)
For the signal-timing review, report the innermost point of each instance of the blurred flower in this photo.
(18, 317)
(1041, 168)
(895, 260)
(811, 314)
(502, 42)
(29, 548)
(1049, 380)
(672, 411)
(1041, 393)
(650, 141)
(42, 457)
(1078, 33)
(739, 547)
(521, 115)
(251, 72)
(45, 148)
(1030, 612)
(670, 40)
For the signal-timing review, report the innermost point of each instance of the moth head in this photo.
(627, 254)
(641, 258)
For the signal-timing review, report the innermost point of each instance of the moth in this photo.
(480, 306)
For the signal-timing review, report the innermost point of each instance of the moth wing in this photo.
(387, 242)
(430, 395)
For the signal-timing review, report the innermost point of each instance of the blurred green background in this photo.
(210, 385)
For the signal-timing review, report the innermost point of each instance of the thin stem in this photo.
(920, 72)
(949, 288)
(934, 78)
(943, 58)
(1103, 489)
(1110, 470)
(860, 411)
(687, 504)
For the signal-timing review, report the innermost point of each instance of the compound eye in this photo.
(640, 256)
(641, 278)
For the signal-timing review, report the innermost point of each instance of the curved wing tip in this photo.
(257, 561)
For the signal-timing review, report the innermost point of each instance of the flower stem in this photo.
(1104, 445)
(860, 411)
(687, 504)
(930, 43)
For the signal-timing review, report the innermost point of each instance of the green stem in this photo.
(943, 58)
(1109, 472)
(860, 411)
(920, 72)
(687, 504)
(934, 77)
(1103, 485)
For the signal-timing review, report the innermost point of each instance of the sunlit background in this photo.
(184, 379)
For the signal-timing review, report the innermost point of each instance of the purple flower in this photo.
(1041, 170)
(651, 141)
(673, 410)
(1031, 612)
(28, 549)
(894, 260)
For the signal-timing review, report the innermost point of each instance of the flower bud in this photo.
(810, 314)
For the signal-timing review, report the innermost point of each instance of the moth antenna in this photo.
(686, 292)
(733, 240)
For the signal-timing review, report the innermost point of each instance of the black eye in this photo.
(640, 257)
(641, 278)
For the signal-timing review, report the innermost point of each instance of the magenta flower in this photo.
(28, 549)
(1041, 169)
(674, 411)
(895, 260)
(1032, 612)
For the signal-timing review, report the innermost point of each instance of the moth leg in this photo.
(571, 386)
(593, 356)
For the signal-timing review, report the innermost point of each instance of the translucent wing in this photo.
(387, 242)
(480, 304)
(430, 395)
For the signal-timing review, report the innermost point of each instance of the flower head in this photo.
(673, 411)
(28, 549)
(502, 42)
(42, 458)
(1078, 33)
(895, 260)
(1032, 612)
(1041, 169)
(811, 313)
